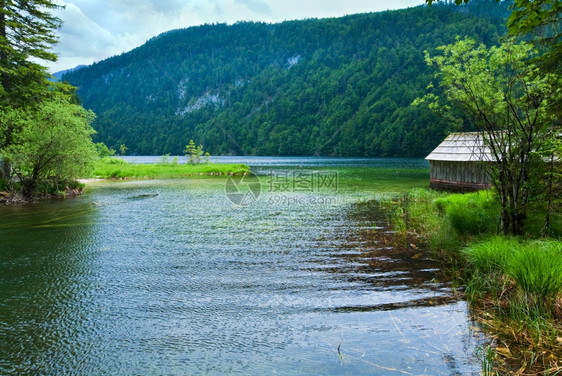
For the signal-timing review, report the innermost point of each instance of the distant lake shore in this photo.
(276, 161)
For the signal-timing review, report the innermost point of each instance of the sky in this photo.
(97, 29)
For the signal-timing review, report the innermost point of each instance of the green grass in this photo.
(536, 267)
(491, 255)
(485, 264)
(461, 227)
(423, 217)
(108, 168)
(475, 213)
(514, 284)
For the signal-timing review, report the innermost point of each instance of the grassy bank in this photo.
(513, 285)
(114, 168)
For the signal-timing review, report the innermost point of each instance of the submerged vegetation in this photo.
(113, 168)
(380, 179)
(513, 284)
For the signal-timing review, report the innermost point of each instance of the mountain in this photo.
(58, 75)
(336, 86)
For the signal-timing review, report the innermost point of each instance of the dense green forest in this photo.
(337, 86)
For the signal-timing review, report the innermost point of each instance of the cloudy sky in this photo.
(96, 29)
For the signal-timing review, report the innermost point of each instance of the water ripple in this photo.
(185, 283)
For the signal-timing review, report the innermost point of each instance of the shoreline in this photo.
(118, 169)
(9, 199)
(185, 176)
(122, 171)
(517, 320)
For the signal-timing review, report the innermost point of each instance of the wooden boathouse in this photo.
(457, 164)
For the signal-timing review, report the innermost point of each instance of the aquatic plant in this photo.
(487, 356)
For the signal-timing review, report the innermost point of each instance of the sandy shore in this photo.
(89, 180)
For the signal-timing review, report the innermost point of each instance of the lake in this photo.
(171, 277)
(285, 162)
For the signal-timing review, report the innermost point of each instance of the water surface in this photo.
(169, 277)
(310, 162)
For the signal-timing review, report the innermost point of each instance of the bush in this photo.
(56, 186)
(74, 184)
(103, 151)
(113, 161)
(164, 159)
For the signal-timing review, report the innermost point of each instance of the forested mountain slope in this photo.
(338, 86)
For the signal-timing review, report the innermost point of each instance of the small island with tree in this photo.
(45, 134)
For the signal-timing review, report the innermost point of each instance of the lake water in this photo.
(287, 162)
(171, 278)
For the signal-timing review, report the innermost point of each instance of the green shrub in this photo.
(74, 184)
(113, 161)
(103, 151)
(535, 221)
(164, 159)
(55, 186)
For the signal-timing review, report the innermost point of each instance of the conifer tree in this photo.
(27, 32)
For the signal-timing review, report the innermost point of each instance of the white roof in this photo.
(462, 147)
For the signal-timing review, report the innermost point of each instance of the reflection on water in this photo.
(372, 255)
(167, 277)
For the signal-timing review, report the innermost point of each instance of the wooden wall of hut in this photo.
(458, 176)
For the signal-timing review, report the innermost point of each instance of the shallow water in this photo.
(169, 277)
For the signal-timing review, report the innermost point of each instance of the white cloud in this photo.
(96, 29)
